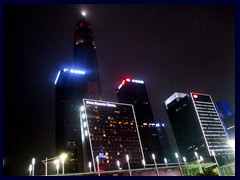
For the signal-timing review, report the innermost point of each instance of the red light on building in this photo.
(195, 96)
(80, 24)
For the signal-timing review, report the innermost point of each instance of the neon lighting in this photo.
(119, 87)
(128, 80)
(101, 104)
(117, 91)
(195, 96)
(57, 77)
(77, 71)
(138, 81)
(74, 71)
(123, 82)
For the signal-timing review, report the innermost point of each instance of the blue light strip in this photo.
(57, 77)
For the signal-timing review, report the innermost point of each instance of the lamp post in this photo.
(213, 153)
(30, 169)
(127, 159)
(33, 163)
(144, 163)
(118, 164)
(198, 161)
(184, 160)
(57, 165)
(176, 154)
(97, 159)
(153, 156)
(63, 157)
(90, 166)
(165, 160)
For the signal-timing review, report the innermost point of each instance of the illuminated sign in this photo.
(101, 103)
(102, 155)
(129, 80)
(74, 71)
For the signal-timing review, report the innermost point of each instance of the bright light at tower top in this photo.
(83, 13)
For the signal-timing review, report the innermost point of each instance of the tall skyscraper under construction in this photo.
(71, 86)
(197, 127)
(134, 92)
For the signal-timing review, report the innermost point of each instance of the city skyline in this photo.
(172, 48)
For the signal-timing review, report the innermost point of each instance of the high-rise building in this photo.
(134, 92)
(84, 49)
(70, 89)
(228, 118)
(109, 133)
(71, 86)
(197, 127)
(168, 153)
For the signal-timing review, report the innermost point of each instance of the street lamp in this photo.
(184, 160)
(63, 157)
(90, 166)
(176, 154)
(118, 164)
(97, 159)
(144, 163)
(153, 156)
(127, 158)
(30, 169)
(198, 161)
(57, 165)
(33, 163)
(165, 160)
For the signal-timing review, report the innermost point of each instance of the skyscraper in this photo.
(134, 92)
(109, 132)
(228, 118)
(197, 127)
(84, 49)
(71, 86)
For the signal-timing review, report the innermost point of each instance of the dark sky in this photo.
(173, 48)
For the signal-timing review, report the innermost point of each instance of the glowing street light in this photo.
(198, 161)
(30, 169)
(144, 163)
(90, 166)
(57, 165)
(127, 159)
(153, 156)
(118, 164)
(63, 157)
(184, 160)
(97, 159)
(33, 163)
(176, 154)
(165, 160)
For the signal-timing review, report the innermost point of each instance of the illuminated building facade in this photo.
(197, 127)
(109, 132)
(70, 89)
(71, 86)
(134, 92)
(85, 56)
(228, 118)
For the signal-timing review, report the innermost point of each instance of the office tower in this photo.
(85, 56)
(71, 86)
(197, 127)
(228, 118)
(168, 153)
(70, 89)
(109, 132)
(134, 92)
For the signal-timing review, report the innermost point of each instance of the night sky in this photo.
(173, 48)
